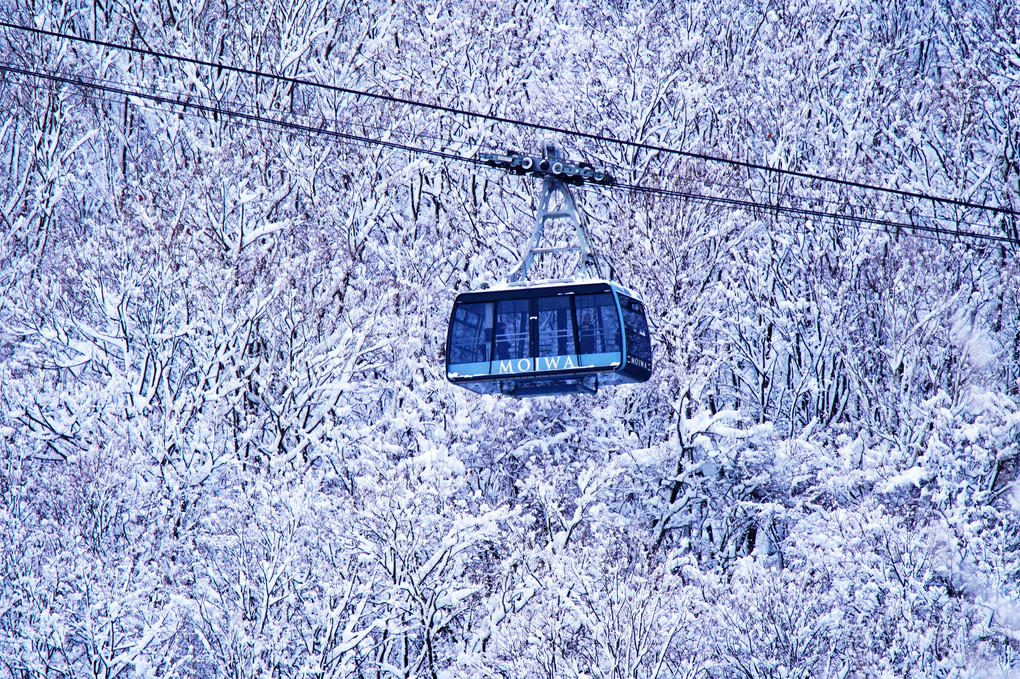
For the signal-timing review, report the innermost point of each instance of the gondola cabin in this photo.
(556, 338)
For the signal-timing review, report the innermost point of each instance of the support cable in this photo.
(359, 139)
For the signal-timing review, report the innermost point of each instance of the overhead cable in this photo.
(359, 139)
(219, 110)
(814, 214)
(519, 123)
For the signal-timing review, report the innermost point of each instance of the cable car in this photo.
(558, 338)
(549, 337)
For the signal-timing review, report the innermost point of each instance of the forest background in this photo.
(227, 447)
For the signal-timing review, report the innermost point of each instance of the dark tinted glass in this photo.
(513, 336)
(471, 335)
(555, 326)
(638, 343)
(598, 323)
